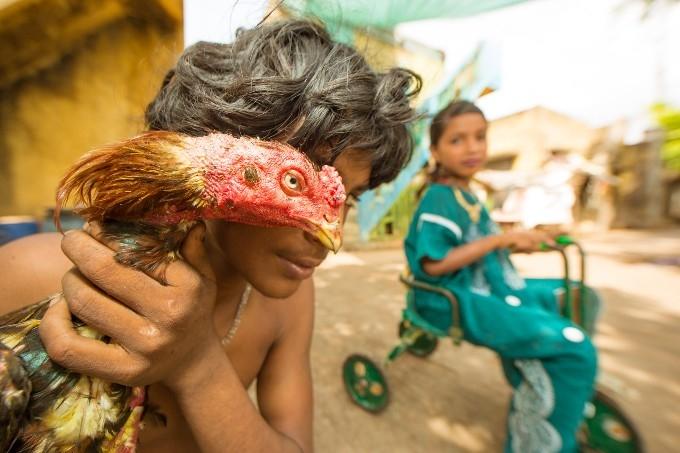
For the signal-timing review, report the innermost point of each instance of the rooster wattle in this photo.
(147, 192)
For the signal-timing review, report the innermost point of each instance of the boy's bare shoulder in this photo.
(31, 269)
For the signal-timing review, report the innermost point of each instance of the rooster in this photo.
(147, 192)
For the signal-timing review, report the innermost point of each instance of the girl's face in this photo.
(461, 149)
(276, 260)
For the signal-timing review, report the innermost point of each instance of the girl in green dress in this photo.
(452, 242)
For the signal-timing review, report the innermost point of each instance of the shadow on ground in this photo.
(455, 400)
(639, 350)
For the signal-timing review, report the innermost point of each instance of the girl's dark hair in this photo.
(441, 119)
(439, 123)
(290, 79)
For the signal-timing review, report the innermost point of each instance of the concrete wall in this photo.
(94, 94)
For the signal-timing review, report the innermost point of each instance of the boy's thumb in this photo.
(194, 253)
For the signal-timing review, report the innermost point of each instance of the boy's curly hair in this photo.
(290, 79)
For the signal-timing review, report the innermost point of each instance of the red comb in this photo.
(330, 177)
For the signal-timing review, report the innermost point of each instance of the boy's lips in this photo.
(299, 268)
(304, 261)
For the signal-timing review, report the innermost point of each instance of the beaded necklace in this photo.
(237, 319)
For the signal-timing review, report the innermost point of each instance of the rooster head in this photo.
(268, 184)
(164, 179)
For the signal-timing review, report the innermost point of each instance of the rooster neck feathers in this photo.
(139, 177)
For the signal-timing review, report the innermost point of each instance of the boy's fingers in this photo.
(94, 229)
(96, 262)
(80, 354)
(100, 312)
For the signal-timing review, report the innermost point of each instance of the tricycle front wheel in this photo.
(606, 429)
(365, 383)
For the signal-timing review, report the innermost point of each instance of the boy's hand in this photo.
(157, 332)
(526, 241)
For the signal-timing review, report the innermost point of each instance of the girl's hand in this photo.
(157, 332)
(525, 241)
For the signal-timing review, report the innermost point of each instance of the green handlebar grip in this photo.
(562, 240)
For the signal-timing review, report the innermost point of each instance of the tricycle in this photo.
(605, 429)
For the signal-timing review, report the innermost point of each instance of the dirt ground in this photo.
(456, 400)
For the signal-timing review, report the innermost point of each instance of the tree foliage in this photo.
(669, 119)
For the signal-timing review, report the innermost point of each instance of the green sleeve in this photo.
(435, 230)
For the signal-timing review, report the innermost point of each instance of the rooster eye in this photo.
(293, 182)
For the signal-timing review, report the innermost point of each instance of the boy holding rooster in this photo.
(240, 306)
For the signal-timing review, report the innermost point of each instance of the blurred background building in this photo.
(577, 78)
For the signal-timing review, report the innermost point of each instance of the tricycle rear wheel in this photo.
(425, 343)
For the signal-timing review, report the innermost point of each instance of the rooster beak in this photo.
(329, 234)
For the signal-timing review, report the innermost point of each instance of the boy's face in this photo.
(276, 260)
(461, 149)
